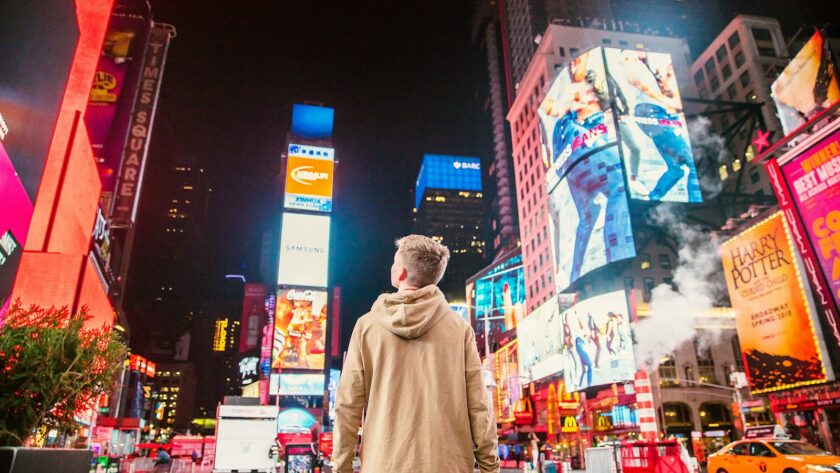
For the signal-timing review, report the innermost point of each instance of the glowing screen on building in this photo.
(312, 122)
(589, 214)
(300, 328)
(652, 127)
(304, 250)
(447, 172)
(309, 178)
(499, 295)
(301, 384)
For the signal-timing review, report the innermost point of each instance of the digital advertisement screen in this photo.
(304, 250)
(773, 317)
(300, 328)
(309, 178)
(312, 122)
(588, 208)
(508, 390)
(301, 384)
(653, 134)
(14, 225)
(814, 181)
(332, 389)
(249, 370)
(462, 310)
(295, 418)
(447, 172)
(253, 317)
(501, 293)
(597, 344)
(807, 86)
(540, 343)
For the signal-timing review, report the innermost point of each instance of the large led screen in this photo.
(438, 171)
(773, 317)
(652, 128)
(501, 293)
(807, 86)
(540, 343)
(588, 210)
(814, 181)
(301, 384)
(304, 250)
(14, 225)
(300, 328)
(312, 122)
(309, 178)
(597, 345)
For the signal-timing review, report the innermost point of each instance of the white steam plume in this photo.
(675, 311)
(707, 146)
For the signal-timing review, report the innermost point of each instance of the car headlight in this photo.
(822, 468)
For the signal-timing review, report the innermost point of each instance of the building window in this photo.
(629, 283)
(754, 175)
(710, 65)
(664, 261)
(724, 173)
(721, 53)
(714, 83)
(644, 261)
(561, 52)
(705, 364)
(648, 282)
(732, 91)
(621, 42)
(688, 372)
(736, 351)
(606, 41)
(724, 121)
(573, 51)
(734, 40)
(762, 34)
(727, 72)
(739, 59)
(766, 51)
(745, 79)
(750, 97)
(698, 77)
(668, 373)
(727, 373)
(703, 94)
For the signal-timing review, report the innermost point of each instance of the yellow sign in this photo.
(570, 425)
(220, 337)
(604, 423)
(773, 317)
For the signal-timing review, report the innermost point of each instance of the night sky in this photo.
(403, 79)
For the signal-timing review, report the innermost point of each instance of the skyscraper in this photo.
(449, 208)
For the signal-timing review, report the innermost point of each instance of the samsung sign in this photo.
(304, 250)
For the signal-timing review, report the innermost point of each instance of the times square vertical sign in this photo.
(124, 208)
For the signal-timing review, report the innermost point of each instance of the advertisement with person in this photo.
(501, 293)
(114, 86)
(253, 317)
(814, 181)
(14, 226)
(807, 86)
(651, 126)
(540, 344)
(773, 317)
(597, 344)
(588, 209)
(309, 178)
(300, 328)
(508, 389)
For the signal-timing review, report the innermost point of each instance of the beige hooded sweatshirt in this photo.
(412, 368)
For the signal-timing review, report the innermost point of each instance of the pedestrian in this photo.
(412, 368)
(194, 457)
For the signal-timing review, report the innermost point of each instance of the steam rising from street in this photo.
(709, 149)
(676, 310)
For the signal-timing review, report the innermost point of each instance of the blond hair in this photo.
(424, 258)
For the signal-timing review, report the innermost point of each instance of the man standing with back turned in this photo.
(413, 370)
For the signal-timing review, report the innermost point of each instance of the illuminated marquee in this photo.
(220, 336)
(309, 178)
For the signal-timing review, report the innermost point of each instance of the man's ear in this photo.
(404, 274)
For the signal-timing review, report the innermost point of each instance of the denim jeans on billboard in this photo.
(586, 363)
(673, 148)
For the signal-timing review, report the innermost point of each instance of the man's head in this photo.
(418, 262)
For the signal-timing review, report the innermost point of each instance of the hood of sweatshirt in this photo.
(410, 314)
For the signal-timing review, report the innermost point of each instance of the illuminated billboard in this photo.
(309, 178)
(301, 384)
(498, 293)
(14, 225)
(813, 178)
(300, 328)
(332, 390)
(312, 122)
(508, 389)
(220, 335)
(447, 172)
(597, 344)
(807, 86)
(773, 316)
(304, 250)
(253, 317)
(651, 126)
(589, 214)
(540, 343)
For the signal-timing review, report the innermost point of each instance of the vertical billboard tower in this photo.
(299, 353)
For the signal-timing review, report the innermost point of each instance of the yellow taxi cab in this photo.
(772, 455)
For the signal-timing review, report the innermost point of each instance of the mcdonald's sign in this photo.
(524, 412)
(570, 425)
(604, 423)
